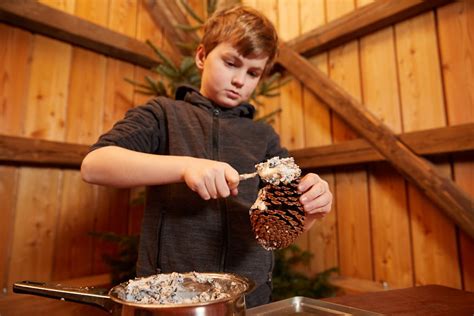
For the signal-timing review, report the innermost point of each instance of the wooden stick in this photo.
(246, 176)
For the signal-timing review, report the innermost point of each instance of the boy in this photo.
(190, 151)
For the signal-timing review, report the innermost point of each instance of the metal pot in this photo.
(109, 300)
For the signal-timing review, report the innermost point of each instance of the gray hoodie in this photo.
(180, 231)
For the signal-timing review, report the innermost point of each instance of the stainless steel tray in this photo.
(300, 305)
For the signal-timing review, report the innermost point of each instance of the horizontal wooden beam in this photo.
(365, 20)
(21, 150)
(44, 20)
(443, 140)
(41, 19)
(440, 189)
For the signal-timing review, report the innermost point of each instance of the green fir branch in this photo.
(188, 47)
(211, 7)
(187, 66)
(287, 282)
(123, 260)
(145, 92)
(136, 83)
(152, 83)
(168, 62)
(171, 73)
(191, 12)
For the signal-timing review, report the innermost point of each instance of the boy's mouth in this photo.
(232, 94)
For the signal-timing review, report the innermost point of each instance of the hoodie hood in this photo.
(192, 95)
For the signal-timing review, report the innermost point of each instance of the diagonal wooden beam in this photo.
(41, 19)
(360, 22)
(165, 19)
(441, 190)
(179, 17)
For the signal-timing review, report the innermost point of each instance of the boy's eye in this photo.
(229, 63)
(254, 74)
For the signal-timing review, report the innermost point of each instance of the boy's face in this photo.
(228, 78)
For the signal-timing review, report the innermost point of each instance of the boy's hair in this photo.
(246, 29)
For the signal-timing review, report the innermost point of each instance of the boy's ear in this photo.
(200, 57)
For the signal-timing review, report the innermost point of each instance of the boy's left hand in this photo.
(316, 197)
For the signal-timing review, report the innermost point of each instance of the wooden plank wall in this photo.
(51, 90)
(457, 67)
(15, 71)
(388, 211)
(414, 75)
(39, 190)
(433, 235)
(317, 132)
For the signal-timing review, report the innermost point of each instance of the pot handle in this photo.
(84, 295)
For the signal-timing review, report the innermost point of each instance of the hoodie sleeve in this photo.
(142, 129)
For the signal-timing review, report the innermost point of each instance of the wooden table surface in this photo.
(423, 300)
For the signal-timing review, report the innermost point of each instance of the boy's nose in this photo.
(238, 80)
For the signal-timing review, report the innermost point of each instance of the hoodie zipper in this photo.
(221, 207)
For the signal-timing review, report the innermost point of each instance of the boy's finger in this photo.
(321, 205)
(307, 181)
(202, 191)
(313, 193)
(211, 188)
(222, 187)
(232, 178)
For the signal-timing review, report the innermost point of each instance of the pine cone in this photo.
(277, 216)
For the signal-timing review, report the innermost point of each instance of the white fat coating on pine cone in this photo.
(169, 289)
(276, 170)
(259, 202)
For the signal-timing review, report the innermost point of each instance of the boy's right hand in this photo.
(211, 179)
